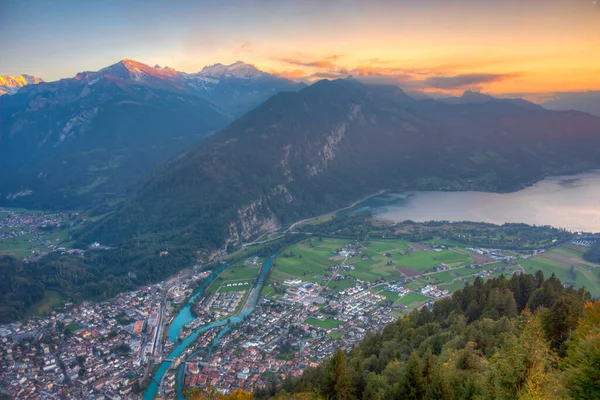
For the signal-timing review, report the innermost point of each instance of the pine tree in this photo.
(583, 356)
(376, 387)
(412, 385)
(337, 382)
(539, 278)
(523, 366)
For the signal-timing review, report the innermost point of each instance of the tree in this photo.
(475, 344)
(337, 383)
(239, 394)
(539, 278)
(563, 319)
(210, 393)
(523, 367)
(412, 385)
(543, 296)
(465, 372)
(583, 356)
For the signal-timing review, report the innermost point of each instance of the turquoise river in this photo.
(184, 316)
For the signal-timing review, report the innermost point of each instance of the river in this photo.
(570, 202)
(184, 316)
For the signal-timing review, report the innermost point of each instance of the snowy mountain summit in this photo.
(11, 84)
(239, 70)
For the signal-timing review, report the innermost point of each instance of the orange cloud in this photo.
(326, 63)
(465, 80)
(295, 74)
(545, 70)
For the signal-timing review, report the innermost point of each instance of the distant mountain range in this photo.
(471, 97)
(582, 101)
(308, 152)
(11, 84)
(86, 139)
(238, 87)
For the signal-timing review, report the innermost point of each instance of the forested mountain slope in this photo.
(304, 153)
(523, 338)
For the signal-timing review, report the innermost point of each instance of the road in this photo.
(290, 229)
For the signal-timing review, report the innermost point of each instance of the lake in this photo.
(571, 202)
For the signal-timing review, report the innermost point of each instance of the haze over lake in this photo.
(571, 202)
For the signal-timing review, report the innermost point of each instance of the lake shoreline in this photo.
(570, 202)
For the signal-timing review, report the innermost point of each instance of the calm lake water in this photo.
(570, 202)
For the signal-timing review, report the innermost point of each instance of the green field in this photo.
(388, 294)
(21, 246)
(17, 247)
(417, 284)
(237, 273)
(335, 335)
(385, 246)
(338, 286)
(268, 291)
(52, 300)
(303, 261)
(225, 289)
(318, 220)
(453, 287)
(585, 275)
(425, 260)
(413, 300)
(313, 257)
(325, 324)
(73, 326)
(58, 236)
(450, 275)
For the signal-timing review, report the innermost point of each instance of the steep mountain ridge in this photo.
(303, 153)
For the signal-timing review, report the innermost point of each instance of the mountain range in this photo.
(86, 139)
(471, 97)
(304, 153)
(583, 101)
(11, 84)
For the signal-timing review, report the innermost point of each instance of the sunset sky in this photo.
(499, 46)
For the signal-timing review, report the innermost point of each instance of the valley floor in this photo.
(322, 293)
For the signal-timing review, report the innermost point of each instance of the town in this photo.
(320, 295)
(29, 234)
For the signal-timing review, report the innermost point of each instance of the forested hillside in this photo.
(313, 151)
(523, 338)
(96, 276)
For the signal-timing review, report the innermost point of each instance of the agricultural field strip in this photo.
(320, 257)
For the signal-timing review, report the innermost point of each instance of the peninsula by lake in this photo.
(571, 202)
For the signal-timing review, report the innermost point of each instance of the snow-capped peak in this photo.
(11, 84)
(137, 71)
(238, 69)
